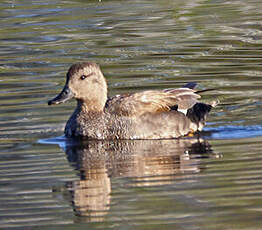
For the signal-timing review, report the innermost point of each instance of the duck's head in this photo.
(86, 83)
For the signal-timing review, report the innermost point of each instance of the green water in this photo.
(210, 182)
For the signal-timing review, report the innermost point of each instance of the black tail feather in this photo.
(198, 113)
(190, 85)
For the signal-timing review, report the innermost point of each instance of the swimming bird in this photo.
(150, 114)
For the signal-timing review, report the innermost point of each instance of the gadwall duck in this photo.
(152, 114)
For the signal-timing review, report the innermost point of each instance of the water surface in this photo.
(212, 181)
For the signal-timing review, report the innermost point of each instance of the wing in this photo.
(151, 101)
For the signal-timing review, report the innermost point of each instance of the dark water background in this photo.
(211, 182)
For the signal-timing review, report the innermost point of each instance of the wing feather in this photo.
(151, 101)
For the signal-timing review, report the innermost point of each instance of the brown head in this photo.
(86, 83)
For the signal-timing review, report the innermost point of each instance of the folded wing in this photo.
(152, 101)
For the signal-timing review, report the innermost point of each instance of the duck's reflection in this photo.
(148, 163)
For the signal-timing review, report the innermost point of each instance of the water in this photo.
(208, 182)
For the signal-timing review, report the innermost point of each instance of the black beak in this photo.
(64, 96)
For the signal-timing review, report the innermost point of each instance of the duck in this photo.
(151, 114)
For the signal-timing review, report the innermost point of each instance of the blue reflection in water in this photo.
(61, 141)
(233, 131)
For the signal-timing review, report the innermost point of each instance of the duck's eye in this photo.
(83, 77)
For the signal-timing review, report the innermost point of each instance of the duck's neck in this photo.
(91, 106)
